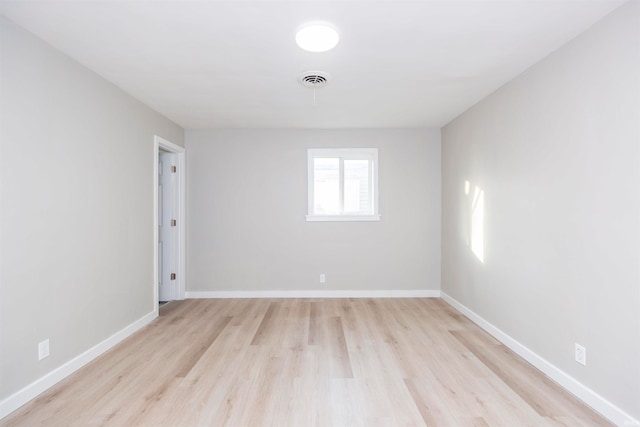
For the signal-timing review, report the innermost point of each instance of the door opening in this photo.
(167, 213)
(169, 227)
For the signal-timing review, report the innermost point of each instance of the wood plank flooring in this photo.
(305, 363)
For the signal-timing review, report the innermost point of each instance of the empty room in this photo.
(320, 213)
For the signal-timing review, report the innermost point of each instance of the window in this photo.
(343, 184)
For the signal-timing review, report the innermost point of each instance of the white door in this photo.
(167, 241)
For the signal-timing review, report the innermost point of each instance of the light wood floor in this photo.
(307, 362)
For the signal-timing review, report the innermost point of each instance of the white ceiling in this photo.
(234, 64)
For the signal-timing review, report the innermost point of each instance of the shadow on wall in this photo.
(475, 220)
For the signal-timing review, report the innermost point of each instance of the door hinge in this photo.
(173, 222)
(174, 169)
(173, 276)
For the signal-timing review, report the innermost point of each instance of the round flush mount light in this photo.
(317, 37)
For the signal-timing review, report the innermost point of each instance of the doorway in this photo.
(169, 226)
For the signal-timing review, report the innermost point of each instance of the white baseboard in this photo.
(31, 391)
(316, 294)
(582, 392)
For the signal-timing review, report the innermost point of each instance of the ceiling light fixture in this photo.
(317, 37)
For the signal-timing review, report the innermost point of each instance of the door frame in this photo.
(161, 144)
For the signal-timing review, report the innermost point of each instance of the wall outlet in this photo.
(323, 278)
(581, 354)
(43, 349)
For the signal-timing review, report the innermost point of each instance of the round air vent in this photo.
(314, 79)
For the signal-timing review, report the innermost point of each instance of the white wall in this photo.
(557, 154)
(77, 193)
(247, 201)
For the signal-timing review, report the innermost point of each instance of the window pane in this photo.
(357, 191)
(326, 186)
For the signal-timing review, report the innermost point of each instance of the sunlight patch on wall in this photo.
(475, 234)
(477, 224)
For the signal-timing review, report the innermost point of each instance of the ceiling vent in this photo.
(314, 79)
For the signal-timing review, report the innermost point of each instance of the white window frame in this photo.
(343, 154)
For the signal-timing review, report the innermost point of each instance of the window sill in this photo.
(343, 218)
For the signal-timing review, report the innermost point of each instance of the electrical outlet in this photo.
(323, 278)
(581, 354)
(43, 349)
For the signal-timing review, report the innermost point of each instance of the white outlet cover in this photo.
(43, 349)
(581, 354)
(323, 278)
